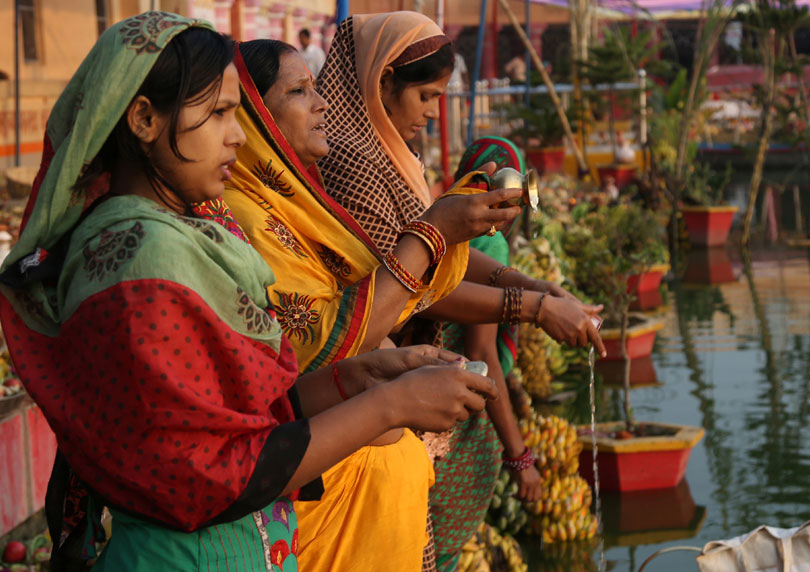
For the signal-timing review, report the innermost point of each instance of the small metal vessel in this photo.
(509, 178)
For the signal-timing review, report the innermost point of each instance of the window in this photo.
(28, 27)
(102, 17)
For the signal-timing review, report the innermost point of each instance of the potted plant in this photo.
(707, 219)
(618, 58)
(607, 246)
(539, 127)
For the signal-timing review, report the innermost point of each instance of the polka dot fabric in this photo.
(158, 405)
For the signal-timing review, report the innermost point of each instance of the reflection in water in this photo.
(651, 517)
(733, 358)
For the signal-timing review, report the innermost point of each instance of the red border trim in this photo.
(250, 91)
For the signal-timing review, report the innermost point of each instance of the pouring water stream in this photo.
(597, 498)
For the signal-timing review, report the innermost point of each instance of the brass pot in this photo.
(509, 178)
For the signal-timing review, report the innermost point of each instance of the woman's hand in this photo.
(559, 292)
(367, 370)
(565, 321)
(530, 485)
(463, 217)
(435, 398)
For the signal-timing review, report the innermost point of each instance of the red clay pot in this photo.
(708, 226)
(546, 159)
(645, 301)
(708, 266)
(647, 281)
(640, 463)
(622, 174)
(639, 343)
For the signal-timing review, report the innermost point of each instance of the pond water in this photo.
(734, 358)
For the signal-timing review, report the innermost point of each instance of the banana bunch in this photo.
(506, 513)
(531, 359)
(565, 496)
(536, 258)
(554, 442)
(518, 396)
(580, 525)
(488, 551)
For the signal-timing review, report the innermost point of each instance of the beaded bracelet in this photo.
(405, 278)
(336, 381)
(512, 306)
(521, 463)
(539, 306)
(498, 273)
(430, 235)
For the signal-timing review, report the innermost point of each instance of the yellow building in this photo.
(55, 35)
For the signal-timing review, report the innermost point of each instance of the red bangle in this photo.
(430, 235)
(336, 380)
(395, 267)
(521, 463)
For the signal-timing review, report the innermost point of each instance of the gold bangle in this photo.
(539, 306)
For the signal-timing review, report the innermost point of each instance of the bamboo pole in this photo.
(555, 100)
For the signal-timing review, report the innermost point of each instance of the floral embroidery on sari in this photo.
(271, 179)
(141, 32)
(296, 316)
(336, 264)
(257, 320)
(285, 236)
(114, 248)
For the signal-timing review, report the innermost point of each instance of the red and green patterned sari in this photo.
(148, 341)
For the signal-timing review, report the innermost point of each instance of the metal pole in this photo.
(555, 100)
(17, 82)
(342, 10)
(479, 52)
(443, 135)
(528, 55)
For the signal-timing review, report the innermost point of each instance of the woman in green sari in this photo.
(145, 333)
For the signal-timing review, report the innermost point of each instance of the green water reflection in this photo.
(734, 358)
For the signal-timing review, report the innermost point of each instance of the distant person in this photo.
(516, 69)
(458, 82)
(312, 54)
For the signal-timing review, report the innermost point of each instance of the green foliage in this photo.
(538, 120)
(704, 185)
(606, 246)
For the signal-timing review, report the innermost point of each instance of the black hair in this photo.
(425, 70)
(262, 61)
(187, 72)
(304, 32)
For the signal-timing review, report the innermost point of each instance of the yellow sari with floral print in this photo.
(374, 510)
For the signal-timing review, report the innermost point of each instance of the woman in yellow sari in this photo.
(334, 298)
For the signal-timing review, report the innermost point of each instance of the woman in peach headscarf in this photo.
(382, 80)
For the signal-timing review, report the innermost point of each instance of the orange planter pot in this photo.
(647, 281)
(547, 159)
(640, 463)
(639, 343)
(708, 226)
(653, 516)
(622, 174)
(708, 266)
(649, 300)
(642, 372)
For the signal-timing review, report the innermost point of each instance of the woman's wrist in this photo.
(348, 375)
(520, 463)
(532, 306)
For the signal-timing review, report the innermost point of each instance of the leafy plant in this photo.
(607, 246)
(536, 121)
(704, 185)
